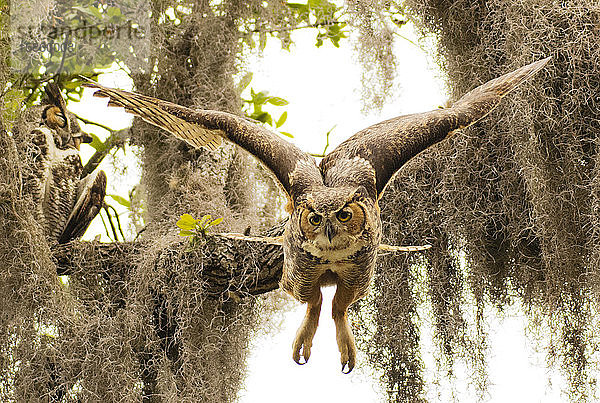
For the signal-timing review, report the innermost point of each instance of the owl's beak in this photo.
(329, 231)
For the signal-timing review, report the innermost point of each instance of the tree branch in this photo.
(229, 266)
(287, 29)
(116, 139)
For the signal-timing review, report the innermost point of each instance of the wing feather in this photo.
(295, 169)
(90, 197)
(388, 145)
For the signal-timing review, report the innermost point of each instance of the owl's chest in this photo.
(308, 266)
(344, 260)
(334, 254)
(315, 262)
(52, 161)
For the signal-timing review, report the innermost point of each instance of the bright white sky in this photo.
(323, 88)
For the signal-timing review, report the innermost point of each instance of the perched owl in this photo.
(64, 202)
(334, 231)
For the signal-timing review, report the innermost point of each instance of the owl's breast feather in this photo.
(333, 253)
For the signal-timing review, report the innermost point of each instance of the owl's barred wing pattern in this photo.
(53, 181)
(295, 169)
(89, 200)
(152, 111)
(388, 145)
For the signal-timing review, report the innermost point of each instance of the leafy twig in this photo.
(196, 229)
(89, 122)
(116, 139)
(288, 29)
(106, 207)
(322, 155)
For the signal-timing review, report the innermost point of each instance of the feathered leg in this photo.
(345, 339)
(306, 332)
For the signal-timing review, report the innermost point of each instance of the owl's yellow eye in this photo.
(344, 215)
(315, 219)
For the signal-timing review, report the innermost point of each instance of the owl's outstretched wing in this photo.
(295, 169)
(388, 145)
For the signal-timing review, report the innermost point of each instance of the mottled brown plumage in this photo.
(65, 203)
(334, 230)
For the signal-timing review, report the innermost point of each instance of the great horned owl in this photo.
(64, 202)
(334, 230)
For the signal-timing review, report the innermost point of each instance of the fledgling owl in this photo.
(334, 230)
(64, 202)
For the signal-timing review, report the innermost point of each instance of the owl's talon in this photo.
(301, 363)
(349, 362)
(346, 344)
(301, 349)
(350, 368)
(298, 355)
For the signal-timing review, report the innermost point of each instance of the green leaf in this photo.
(277, 101)
(201, 223)
(323, 9)
(302, 10)
(244, 82)
(91, 10)
(186, 222)
(286, 134)
(71, 85)
(216, 221)
(121, 200)
(97, 144)
(298, 6)
(185, 232)
(281, 119)
(269, 119)
(261, 117)
(115, 14)
(260, 98)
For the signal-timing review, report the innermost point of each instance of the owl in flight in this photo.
(64, 202)
(334, 231)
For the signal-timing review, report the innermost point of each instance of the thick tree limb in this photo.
(227, 265)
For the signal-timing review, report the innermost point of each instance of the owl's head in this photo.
(67, 133)
(333, 218)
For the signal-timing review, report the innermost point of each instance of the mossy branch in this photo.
(227, 265)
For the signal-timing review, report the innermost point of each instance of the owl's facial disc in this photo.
(54, 117)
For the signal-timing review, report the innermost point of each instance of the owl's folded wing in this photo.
(390, 144)
(294, 168)
(89, 200)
